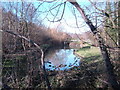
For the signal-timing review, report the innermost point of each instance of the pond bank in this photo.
(86, 76)
(89, 53)
(89, 75)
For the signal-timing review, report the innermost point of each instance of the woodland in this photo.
(26, 41)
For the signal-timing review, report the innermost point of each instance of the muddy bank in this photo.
(25, 73)
(84, 76)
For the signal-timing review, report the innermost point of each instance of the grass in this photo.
(88, 51)
(89, 54)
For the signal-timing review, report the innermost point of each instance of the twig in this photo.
(39, 48)
(105, 13)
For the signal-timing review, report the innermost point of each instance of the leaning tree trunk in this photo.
(109, 67)
(119, 30)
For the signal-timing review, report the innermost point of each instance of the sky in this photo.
(55, 0)
(68, 21)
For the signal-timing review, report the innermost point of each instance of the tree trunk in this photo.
(109, 67)
(119, 29)
(39, 49)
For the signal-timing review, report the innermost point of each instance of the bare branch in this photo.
(111, 76)
(104, 13)
(57, 14)
(39, 48)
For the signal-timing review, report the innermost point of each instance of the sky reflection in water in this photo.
(62, 59)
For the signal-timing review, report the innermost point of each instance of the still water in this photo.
(61, 59)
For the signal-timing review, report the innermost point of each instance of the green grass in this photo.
(89, 51)
(90, 54)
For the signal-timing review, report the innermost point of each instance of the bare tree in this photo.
(109, 67)
(40, 50)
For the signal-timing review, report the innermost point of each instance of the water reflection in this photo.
(61, 59)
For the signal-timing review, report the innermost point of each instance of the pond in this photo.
(61, 59)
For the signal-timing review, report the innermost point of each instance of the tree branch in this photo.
(39, 48)
(104, 13)
(109, 67)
